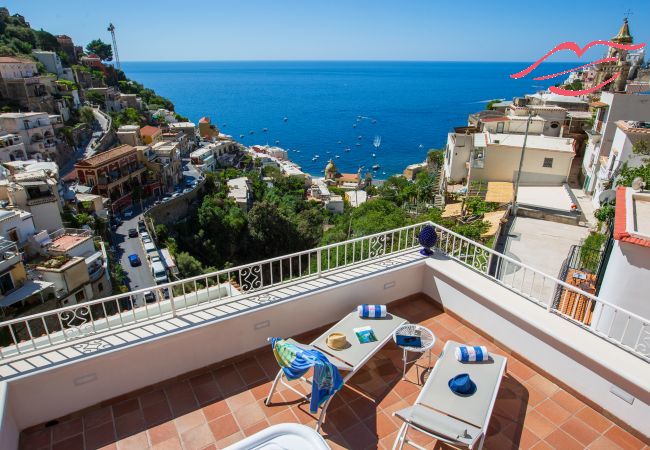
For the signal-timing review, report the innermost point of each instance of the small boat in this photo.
(337, 156)
(348, 149)
(277, 142)
(252, 131)
(354, 125)
(241, 136)
(374, 156)
(383, 173)
(339, 142)
(328, 152)
(297, 151)
(374, 120)
(375, 167)
(358, 144)
(359, 137)
(377, 141)
(265, 129)
(285, 119)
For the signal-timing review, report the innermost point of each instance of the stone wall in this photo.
(175, 209)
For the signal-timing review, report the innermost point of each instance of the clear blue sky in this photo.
(470, 30)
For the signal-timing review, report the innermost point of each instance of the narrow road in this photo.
(99, 128)
(137, 277)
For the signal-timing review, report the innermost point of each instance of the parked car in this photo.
(186, 190)
(141, 225)
(133, 232)
(128, 213)
(189, 183)
(176, 194)
(149, 297)
(166, 198)
(146, 240)
(165, 293)
(134, 260)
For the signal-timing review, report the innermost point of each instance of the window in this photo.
(554, 125)
(6, 283)
(499, 127)
(13, 234)
(100, 287)
(80, 296)
(548, 162)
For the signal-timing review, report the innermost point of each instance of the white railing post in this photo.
(318, 261)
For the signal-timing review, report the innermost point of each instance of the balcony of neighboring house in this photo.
(122, 372)
(39, 194)
(95, 263)
(9, 255)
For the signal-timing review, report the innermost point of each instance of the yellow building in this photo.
(150, 135)
(207, 130)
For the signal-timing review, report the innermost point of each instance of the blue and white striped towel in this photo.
(372, 311)
(465, 353)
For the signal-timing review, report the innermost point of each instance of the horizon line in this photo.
(338, 60)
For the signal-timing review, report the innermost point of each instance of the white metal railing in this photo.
(614, 324)
(618, 326)
(42, 330)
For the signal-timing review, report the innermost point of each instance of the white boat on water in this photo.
(348, 149)
(358, 144)
(354, 125)
(241, 136)
(374, 156)
(377, 141)
(285, 119)
(265, 129)
(337, 156)
(252, 131)
(375, 167)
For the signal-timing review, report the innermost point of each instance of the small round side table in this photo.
(426, 337)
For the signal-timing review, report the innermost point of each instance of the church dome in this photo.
(330, 167)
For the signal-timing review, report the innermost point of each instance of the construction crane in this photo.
(111, 28)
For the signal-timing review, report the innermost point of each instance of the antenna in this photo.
(628, 13)
(111, 28)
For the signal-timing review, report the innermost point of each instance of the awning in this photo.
(499, 192)
(31, 287)
(480, 140)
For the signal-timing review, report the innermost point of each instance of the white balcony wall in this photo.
(77, 384)
(580, 360)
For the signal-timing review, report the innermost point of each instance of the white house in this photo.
(611, 108)
(35, 130)
(239, 189)
(626, 281)
(485, 156)
(627, 135)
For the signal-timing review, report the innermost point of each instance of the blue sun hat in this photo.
(462, 384)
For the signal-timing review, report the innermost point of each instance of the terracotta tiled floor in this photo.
(219, 405)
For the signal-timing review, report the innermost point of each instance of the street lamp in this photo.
(521, 163)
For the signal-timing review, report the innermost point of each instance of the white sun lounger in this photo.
(461, 421)
(350, 359)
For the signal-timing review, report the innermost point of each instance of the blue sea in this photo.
(333, 106)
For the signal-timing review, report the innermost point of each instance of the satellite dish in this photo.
(607, 196)
(638, 184)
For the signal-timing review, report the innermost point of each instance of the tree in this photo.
(188, 265)
(435, 158)
(642, 148)
(86, 115)
(101, 49)
(491, 103)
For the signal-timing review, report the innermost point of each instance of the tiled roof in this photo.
(149, 130)
(495, 119)
(106, 156)
(620, 220)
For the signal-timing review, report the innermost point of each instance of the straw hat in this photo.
(337, 341)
